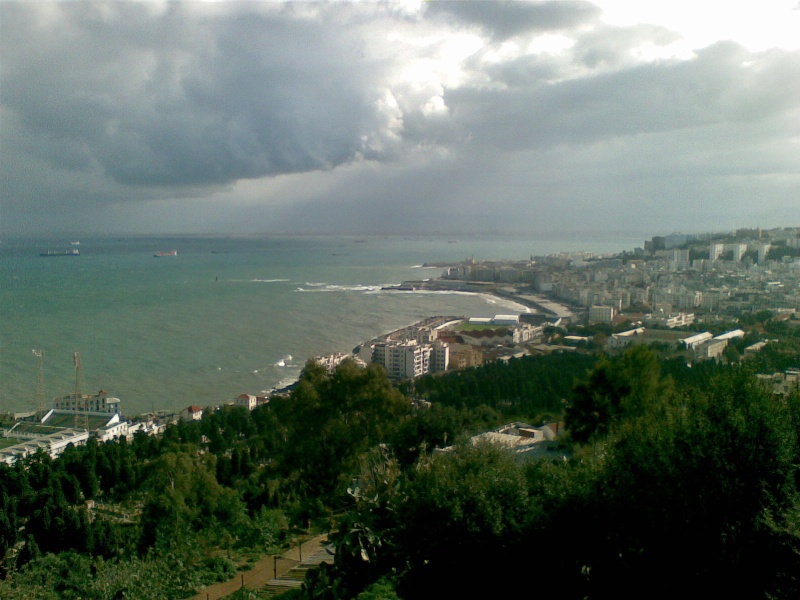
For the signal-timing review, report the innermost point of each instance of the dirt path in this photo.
(262, 571)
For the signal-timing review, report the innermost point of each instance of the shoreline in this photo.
(540, 304)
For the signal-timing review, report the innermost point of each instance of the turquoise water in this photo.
(224, 316)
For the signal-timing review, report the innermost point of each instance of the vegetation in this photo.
(531, 387)
(681, 479)
(680, 488)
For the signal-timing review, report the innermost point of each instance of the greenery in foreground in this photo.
(678, 489)
(681, 478)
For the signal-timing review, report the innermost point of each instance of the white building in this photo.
(763, 250)
(331, 361)
(730, 335)
(601, 314)
(52, 443)
(410, 359)
(192, 413)
(512, 320)
(671, 320)
(58, 428)
(694, 341)
(100, 402)
(247, 400)
(525, 441)
(711, 348)
(441, 357)
(738, 250)
(617, 341)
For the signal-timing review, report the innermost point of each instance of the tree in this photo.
(624, 388)
(700, 490)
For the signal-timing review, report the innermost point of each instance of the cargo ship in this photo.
(73, 252)
(162, 253)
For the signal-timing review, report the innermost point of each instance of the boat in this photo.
(162, 253)
(73, 252)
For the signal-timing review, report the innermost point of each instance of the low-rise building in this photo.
(525, 441)
(53, 444)
(192, 413)
(59, 428)
(99, 402)
(712, 348)
(670, 321)
(618, 341)
(695, 340)
(249, 401)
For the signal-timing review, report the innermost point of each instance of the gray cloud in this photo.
(723, 84)
(133, 116)
(194, 100)
(505, 19)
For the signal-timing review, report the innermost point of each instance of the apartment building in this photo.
(601, 314)
(410, 359)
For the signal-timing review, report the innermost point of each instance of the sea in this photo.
(227, 314)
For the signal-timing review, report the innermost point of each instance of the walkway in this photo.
(273, 572)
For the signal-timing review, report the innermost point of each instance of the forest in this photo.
(680, 479)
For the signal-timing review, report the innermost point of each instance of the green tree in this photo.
(624, 387)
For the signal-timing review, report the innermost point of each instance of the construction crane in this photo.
(39, 354)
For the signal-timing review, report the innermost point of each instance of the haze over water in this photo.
(226, 315)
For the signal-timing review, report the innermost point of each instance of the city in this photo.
(682, 295)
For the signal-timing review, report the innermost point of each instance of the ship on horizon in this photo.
(162, 253)
(73, 252)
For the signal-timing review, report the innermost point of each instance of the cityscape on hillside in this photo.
(683, 294)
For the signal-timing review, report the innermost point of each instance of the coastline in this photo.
(209, 325)
(539, 304)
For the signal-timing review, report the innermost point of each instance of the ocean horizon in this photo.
(226, 314)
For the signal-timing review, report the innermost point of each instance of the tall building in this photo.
(763, 250)
(409, 359)
(738, 250)
(601, 314)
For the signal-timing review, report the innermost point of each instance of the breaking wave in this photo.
(330, 287)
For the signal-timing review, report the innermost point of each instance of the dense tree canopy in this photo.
(680, 478)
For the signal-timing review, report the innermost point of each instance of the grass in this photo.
(6, 442)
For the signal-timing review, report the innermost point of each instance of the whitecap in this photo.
(332, 287)
(268, 280)
(283, 362)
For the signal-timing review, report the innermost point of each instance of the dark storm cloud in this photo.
(190, 96)
(508, 18)
(183, 116)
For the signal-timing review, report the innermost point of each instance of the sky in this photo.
(398, 117)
